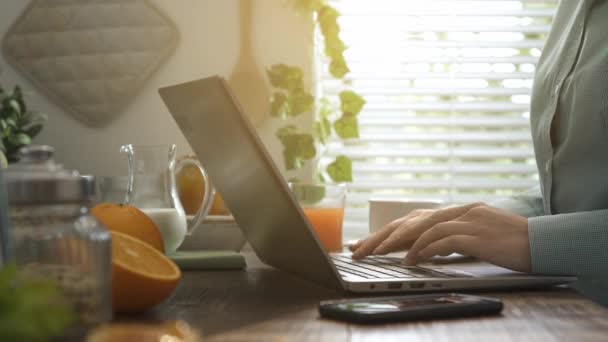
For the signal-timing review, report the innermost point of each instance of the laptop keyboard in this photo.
(377, 267)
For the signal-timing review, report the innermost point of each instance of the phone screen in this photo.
(403, 304)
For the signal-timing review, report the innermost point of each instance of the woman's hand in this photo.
(401, 233)
(490, 234)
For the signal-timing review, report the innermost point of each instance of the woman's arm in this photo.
(562, 244)
(575, 243)
(526, 204)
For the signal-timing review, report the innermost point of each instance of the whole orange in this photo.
(191, 188)
(218, 207)
(141, 275)
(129, 220)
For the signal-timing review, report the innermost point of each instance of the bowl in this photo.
(216, 232)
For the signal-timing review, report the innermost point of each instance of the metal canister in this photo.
(55, 237)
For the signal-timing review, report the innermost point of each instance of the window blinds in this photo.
(447, 84)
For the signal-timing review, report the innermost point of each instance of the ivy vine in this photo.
(290, 99)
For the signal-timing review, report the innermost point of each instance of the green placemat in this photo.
(208, 260)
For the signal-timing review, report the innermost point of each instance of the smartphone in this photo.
(407, 308)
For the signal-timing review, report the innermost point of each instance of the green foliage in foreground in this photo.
(31, 310)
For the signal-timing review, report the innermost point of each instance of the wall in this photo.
(208, 45)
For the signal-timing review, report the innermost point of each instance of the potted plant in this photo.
(18, 125)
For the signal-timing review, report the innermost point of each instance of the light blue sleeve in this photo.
(565, 244)
(573, 244)
(526, 204)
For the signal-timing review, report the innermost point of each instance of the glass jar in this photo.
(54, 236)
(5, 242)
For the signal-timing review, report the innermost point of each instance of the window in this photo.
(447, 84)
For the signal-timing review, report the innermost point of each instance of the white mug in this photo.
(384, 211)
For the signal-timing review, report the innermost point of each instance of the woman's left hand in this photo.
(488, 233)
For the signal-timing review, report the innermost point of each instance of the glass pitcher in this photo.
(152, 187)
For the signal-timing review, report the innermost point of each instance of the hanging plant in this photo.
(290, 99)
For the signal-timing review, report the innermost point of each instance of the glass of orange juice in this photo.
(323, 205)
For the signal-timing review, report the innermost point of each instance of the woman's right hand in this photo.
(403, 232)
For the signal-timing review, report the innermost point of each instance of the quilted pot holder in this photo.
(90, 57)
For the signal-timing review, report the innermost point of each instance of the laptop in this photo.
(226, 143)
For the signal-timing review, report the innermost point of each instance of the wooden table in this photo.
(264, 304)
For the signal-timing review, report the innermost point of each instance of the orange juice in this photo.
(327, 223)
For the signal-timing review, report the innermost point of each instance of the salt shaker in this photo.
(54, 236)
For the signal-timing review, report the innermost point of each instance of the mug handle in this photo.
(208, 195)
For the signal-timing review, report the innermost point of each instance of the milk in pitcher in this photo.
(171, 224)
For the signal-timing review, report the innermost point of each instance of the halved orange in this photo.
(129, 220)
(141, 275)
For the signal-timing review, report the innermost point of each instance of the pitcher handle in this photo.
(208, 194)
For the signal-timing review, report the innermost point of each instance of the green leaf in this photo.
(22, 139)
(34, 117)
(286, 131)
(347, 127)
(34, 130)
(292, 104)
(338, 68)
(351, 102)
(297, 147)
(33, 123)
(309, 5)
(18, 95)
(11, 123)
(278, 105)
(340, 170)
(3, 160)
(308, 194)
(306, 146)
(13, 104)
(334, 47)
(300, 102)
(285, 77)
(328, 20)
(291, 160)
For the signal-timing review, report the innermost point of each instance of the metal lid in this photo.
(37, 179)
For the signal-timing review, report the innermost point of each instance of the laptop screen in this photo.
(243, 172)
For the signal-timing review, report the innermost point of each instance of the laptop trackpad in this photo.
(468, 265)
